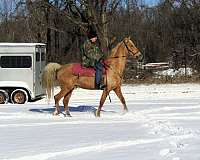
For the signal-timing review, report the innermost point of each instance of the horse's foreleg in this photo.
(57, 99)
(103, 98)
(66, 101)
(121, 97)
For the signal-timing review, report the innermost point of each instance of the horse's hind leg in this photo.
(66, 101)
(103, 98)
(57, 98)
(121, 97)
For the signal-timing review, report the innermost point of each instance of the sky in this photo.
(151, 2)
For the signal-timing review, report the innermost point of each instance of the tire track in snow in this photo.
(168, 109)
(63, 123)
(97, 148)
(128, 118)
(175, 114)
(188, 118)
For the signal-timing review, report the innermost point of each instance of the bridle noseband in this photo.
(129, 51)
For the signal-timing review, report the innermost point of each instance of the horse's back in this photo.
(65, 70)
(76, 69)
(79, 70)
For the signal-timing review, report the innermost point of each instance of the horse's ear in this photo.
(126, 40)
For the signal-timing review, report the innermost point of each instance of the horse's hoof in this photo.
(124, 112)
(55, 113)
(97, 114)
(68, 115)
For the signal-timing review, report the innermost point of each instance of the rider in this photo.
(92, 56)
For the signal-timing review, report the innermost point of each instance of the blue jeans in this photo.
(98, 74)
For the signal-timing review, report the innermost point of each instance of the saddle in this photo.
(79, 70)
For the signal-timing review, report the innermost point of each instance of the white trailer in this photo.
(21, 65)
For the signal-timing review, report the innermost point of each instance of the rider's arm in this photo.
(87, 50)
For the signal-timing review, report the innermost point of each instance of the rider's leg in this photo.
(98, 74)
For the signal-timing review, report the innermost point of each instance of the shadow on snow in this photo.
(71, 109)
(82, 108)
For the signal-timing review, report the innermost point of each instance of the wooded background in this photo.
(168, 31)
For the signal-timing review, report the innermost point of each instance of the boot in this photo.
(102, 86)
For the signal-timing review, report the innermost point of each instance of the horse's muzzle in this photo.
(139, 57)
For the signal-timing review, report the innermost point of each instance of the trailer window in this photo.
(37, 56)
(43, 56)
(16, 61)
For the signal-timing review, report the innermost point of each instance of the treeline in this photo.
(169, 31)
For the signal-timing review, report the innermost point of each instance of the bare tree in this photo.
(158, 31)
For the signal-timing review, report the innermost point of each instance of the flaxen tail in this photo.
(49, 78)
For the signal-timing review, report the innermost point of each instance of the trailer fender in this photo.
(3, 97)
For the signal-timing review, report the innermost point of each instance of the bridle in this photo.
(129, 51)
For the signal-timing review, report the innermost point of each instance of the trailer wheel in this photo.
(19, 96)
(3, 97)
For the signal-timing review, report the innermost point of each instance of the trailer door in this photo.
(39, 65)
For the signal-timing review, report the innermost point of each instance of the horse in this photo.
(62, 75)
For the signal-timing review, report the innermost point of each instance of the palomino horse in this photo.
(55, 74)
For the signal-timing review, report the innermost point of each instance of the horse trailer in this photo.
(21, 65)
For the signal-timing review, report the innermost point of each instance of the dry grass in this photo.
(150, 78)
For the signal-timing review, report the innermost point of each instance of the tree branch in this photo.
(70, 18)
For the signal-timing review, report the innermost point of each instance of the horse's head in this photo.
(132, 49)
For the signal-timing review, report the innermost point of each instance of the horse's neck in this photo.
(118, 58)
(114, 52)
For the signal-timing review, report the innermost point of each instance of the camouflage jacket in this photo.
(91, 54)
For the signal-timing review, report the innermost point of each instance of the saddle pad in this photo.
(79, 70)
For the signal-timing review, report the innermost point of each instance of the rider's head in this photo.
(92, 35)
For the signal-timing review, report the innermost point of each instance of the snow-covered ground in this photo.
(163, 123)
(180, 72)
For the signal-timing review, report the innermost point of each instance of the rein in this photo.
(108, 66)
(117, 57)
(129, 51)
(120, 56)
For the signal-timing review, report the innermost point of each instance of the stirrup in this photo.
(102, 86)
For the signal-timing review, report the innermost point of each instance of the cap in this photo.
(91, 34)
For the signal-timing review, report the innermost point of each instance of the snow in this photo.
(162, 124)
(179, 72)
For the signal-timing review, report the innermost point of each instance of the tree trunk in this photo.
(48, 34)
(103, 33)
